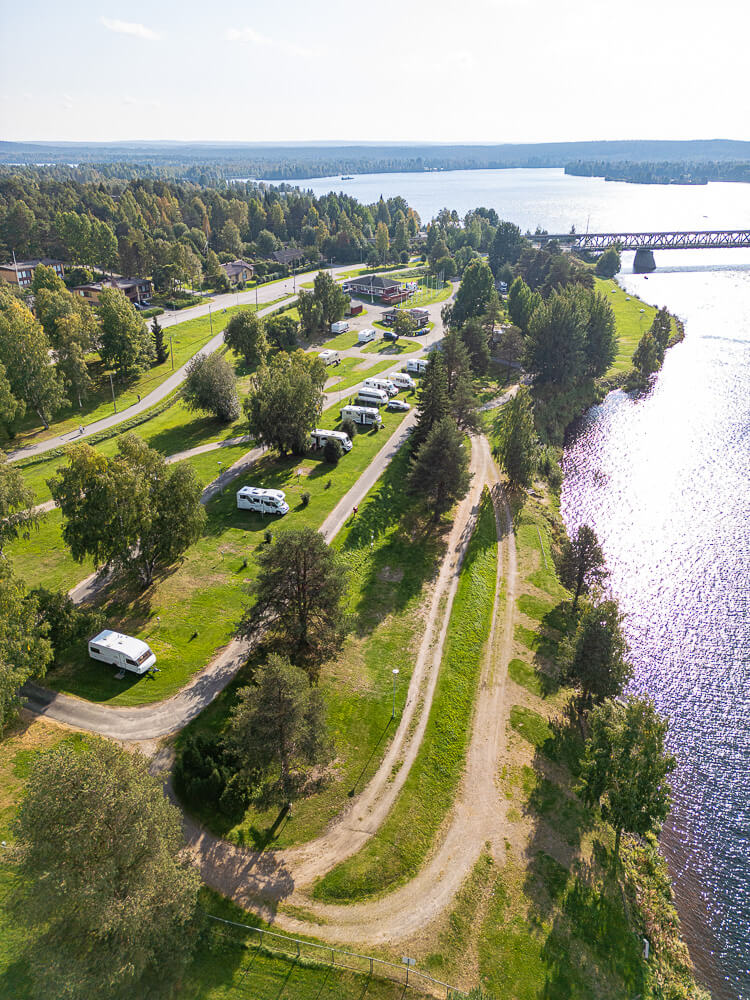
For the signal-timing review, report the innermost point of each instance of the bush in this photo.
(332, 451)
(267, 536)
(67, 622)
(205, 776)
(305, 498)
(349, 427)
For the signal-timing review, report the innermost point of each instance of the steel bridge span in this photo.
(694, 239)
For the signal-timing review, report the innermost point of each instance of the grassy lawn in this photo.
(425, 296)
(632, 316)
(187, 338)
(341, 342)
(398, 849)
(227, 965)
(353, 371)
(387, 577)
(403, 345)
(211, 575)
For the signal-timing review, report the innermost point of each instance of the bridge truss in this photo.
(715, 239)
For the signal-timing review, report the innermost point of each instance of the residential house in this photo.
(137, 290)
(377, 286)
(238, 270)
(289, 257)
(21, 272)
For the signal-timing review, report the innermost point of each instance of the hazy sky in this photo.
(464, 70)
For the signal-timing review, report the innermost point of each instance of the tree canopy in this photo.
(102, 877)
(440, 467)
(474, 294)
(596, 658)
(582, 564)
(245, 334)
(210, 387)
(285, 401)
(125, 342)
(25, 650)
(17, 504)
(517, 447)
(25, 353)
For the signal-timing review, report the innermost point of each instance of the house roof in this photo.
(121, 283)
(373, 283)
(288, 256)
(35, 262)
(235, 267)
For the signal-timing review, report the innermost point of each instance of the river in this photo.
(665, 481)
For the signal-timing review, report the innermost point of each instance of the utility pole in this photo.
(210, 320)
(395, 675)
(171, 351)
(112, 387)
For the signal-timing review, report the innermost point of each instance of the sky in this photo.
(388, 70)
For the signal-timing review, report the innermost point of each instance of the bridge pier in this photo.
(644, 261)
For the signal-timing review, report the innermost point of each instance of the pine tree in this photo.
(440, 469)
(518, 445)
(433, 402)
(158, 334)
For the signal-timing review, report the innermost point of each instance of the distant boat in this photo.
(347, 178)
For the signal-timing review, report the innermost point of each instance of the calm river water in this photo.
(665, 481)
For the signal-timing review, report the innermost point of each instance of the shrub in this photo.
(305, 498)
(67, 622)
(205, 775)
(267, 536)
(349, 427)
(332, 451)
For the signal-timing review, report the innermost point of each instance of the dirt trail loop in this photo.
(478, 815)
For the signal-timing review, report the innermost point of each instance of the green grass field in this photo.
(632, 316)
(398, 849)
(353, 370)
(403, 345)
(387, 576)
(211, 575)
(187, 338)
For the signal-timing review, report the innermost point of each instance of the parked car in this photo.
(399, 405)
(390, 335)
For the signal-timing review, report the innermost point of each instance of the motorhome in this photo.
(329, 357)
(382, 383)
(121, 651)
(262, 501)
(372, 397)
(341, 327)
(417, 366)
(403, 381)
(366, 415)
(320, 435)
(365, 336)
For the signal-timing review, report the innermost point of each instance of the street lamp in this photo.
(395, 673)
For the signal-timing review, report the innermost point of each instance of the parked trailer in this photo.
(122, 651)
(372, 397)
(368, 416)
(382, 383)
(329, 357)
(341, 327)
(403, 381)
(262, 501)
(416, 366)
(320, 435)
(366, 335)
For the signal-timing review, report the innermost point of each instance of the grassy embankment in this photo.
(633, 317)
(212, 574)
(551, 920)
(187, 338)
(225, 966)
(398, 849)
(387, 580)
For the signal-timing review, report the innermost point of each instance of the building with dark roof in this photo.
(291, 256)
(21, 272)
(238, 270)
(137, 290)
(377, 286)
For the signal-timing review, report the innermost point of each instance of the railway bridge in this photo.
(644, 244)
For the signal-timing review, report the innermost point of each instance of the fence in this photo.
(320, 954)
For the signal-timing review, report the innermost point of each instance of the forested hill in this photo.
(681, 172)
(206, 162)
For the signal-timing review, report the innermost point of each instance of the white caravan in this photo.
(330, 357)
(262, 501)
(382, 383)
(121, 651)
(341, 327)
(366, 415)
(403, 381)
(320, 435)
(366, 335)
(417, 366)
(372, 397)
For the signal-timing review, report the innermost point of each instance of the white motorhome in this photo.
(367, 415)
(121, 651)
(417, 366)
(382, 383)
(341, 327)
(320, 435)
(403, 381)
(366, 335)
(329, 357)
(262, 501)
(372, 397)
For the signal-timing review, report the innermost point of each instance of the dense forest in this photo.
(206, 162)
(665, 172)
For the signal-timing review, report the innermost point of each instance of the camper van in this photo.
(341, 327)
(382, 383)
(372, 397)
(417, 366)
(366, 415)
(403, 381)
(122, 651)
(365, 336)
(319, 437)
(330, 357)
(262, 501)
